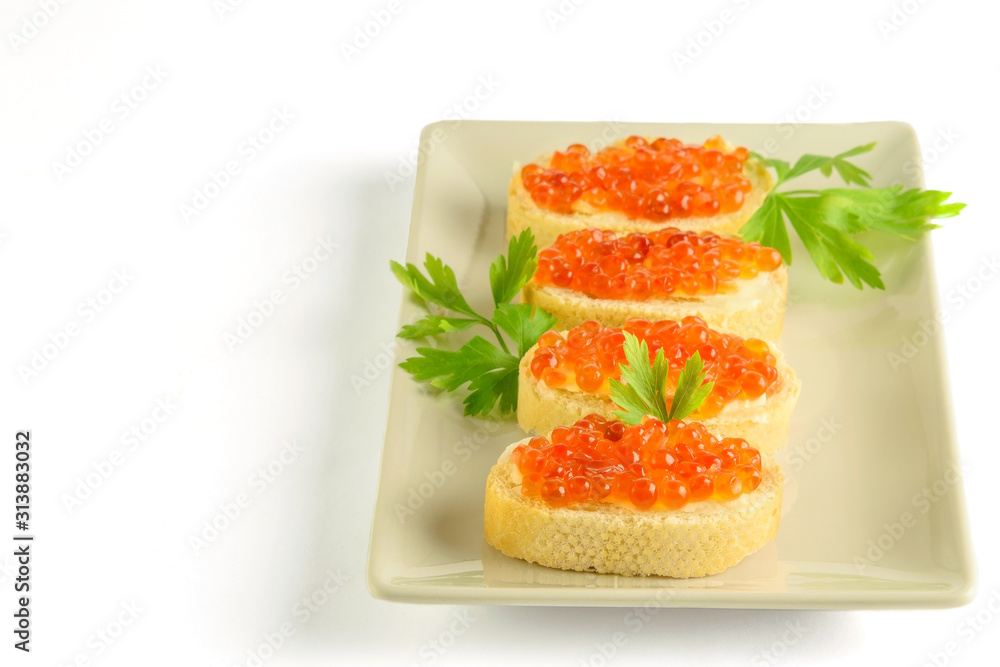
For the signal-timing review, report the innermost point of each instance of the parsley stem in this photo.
(496, 331)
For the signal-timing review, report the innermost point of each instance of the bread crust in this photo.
(611, 539)
(754, 318)
(541, 408)
(523, 213)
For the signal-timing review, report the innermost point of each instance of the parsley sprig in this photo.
(490, 371)
(644, 390)
(827, 220)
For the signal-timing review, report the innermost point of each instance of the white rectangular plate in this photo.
(873, 513)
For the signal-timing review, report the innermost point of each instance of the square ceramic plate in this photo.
(873, 512)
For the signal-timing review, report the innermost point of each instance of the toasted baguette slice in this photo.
(756, 311)
(523, 213)
(701, 539)
(541, 408)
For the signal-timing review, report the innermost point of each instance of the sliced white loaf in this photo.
(541, 408)
(701, 539)
(524, 213)
(756, 311)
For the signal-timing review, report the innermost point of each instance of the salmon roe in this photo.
(587, 358)
(666, 263)
(653, 180)
(652, 465)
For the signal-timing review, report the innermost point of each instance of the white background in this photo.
(162, 337)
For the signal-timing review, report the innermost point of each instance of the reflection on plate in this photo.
(873, 512)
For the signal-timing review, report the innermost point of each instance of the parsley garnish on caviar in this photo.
(644, 390)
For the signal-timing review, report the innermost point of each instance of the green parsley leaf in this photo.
(450, 369)
(835, 253)
(491, 387)
(441, 289)
(919, 203)
(511, 273)
(490, 372)
(524, 323)
(692, 390)
(826, 220)
(643, 391)
(891, 210)
(851, 173)
(767, 227)
(433, 325)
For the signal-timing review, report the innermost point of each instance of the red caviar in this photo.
(666, 263)
(652, 465)
(653, 180)
(588, 358)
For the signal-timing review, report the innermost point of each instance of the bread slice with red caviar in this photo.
(592, 274)
(567, 375)
(680, 518)
(639, 185)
